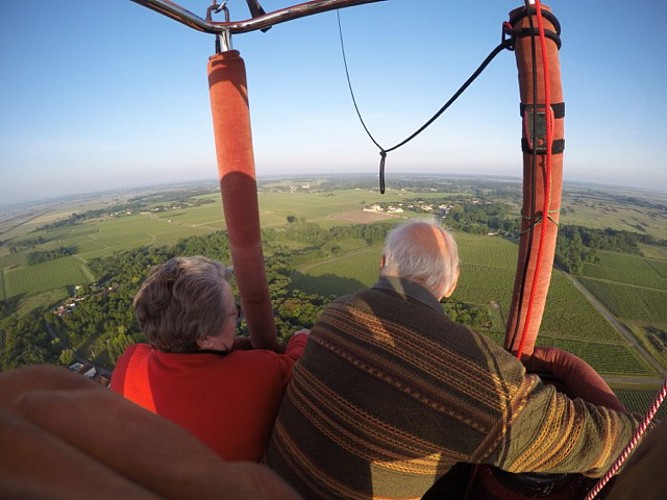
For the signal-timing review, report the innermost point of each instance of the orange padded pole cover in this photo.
(238, 186)
(535, 261)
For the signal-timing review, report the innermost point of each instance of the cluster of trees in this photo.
(77, 218)
(659, 338)
(46, 255)
(25, 244)
(577, 245)
(26, 340)
(483, 217)
(476, 317)
(311, 233)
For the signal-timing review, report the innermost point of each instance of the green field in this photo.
(640, 401)
(632, 287)
(628, 269)
(340, 276)
(609, 359)
(487, 269)
(488, 265)
(568, 314)
(660, 267)
(630, 302)
(61, 273)
(600, 214)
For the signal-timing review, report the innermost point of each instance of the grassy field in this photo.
(630, 302)
(608, 359)
(601, 212)
(568, 314)
(640, 401)
(487, 276)
(103, 237)
(634, 288)
(628, 269)
(31, 280)
(354, 271)
(659, 266)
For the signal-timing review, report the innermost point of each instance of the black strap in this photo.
(557, 107)
(557, 147)
(514, 33)
(548, 15)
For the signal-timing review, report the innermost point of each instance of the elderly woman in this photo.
(189, 372)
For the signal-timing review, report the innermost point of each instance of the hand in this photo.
(579, 377)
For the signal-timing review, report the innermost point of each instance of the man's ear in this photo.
(454, 283)
(383, 262)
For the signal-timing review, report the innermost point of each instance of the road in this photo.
(100, 369)
(627, 334)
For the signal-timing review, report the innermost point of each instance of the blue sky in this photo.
(102, 94)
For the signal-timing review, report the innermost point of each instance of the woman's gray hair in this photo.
(428, 262)
(182, 301)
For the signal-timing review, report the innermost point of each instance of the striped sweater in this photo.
(390, 394)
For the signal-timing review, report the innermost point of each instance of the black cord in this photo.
(505, 44)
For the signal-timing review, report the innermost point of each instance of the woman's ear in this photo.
(204, 343)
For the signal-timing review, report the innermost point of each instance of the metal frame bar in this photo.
(184, 16)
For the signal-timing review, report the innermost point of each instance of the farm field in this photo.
(487, 277)
(99, 238)
(640, 401)
(45, 276)
(600, 211)
(632, 287)
(357, 270)
(654, 252)
(630, 302)
(628, 269)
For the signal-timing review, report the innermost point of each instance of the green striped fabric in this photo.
(390, 394)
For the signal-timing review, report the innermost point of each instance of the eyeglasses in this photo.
(238, 313)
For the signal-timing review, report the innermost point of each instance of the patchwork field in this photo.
(488, 265)
(630, 302)
(602, 211)
(632, 287)
(29, 280)
(628, 269)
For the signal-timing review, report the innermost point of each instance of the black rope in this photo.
(504, 44)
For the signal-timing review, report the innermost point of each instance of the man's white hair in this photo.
(414, 251)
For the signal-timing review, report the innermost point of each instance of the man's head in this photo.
(425, 253)
(186, 304)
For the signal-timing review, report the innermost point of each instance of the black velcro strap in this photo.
(516, 33)
(557, 107)
(557, 147)
(548, 15)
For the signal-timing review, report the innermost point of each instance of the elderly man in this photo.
(390, 393)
